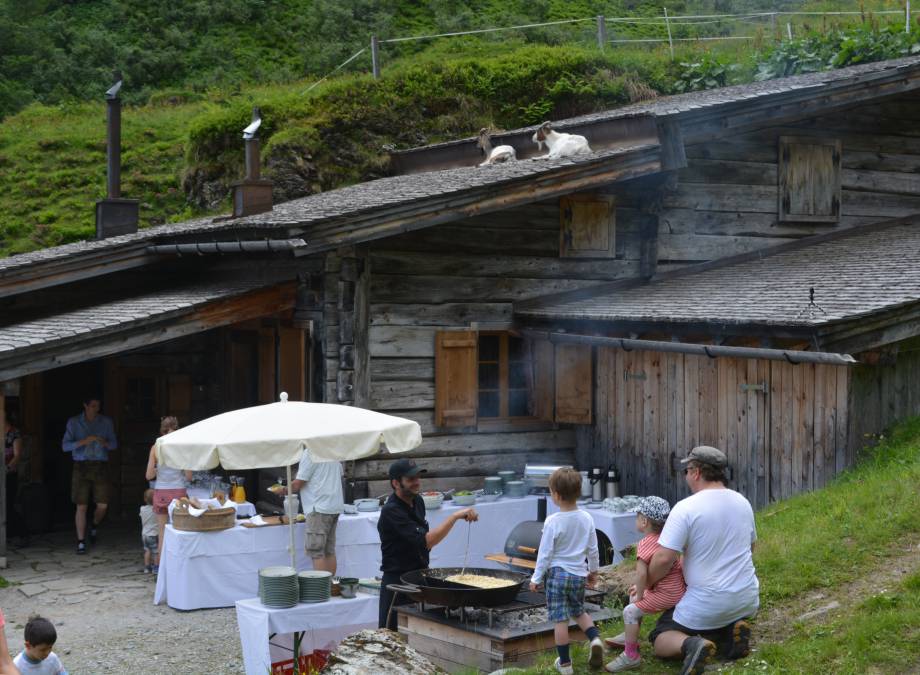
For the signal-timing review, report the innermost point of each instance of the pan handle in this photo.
(413, 592)
(527, 549)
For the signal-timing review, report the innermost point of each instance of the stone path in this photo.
(102, 606)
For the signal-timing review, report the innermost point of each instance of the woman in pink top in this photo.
(650, 518)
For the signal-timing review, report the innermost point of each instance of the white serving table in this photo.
(216, 569)
(315, 626)
(620, 528)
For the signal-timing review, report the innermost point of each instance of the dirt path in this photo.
(102, 606)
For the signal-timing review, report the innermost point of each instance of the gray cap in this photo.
(705, 454)
(654, 508)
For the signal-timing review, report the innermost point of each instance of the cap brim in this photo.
(415, 471)
(687, 459)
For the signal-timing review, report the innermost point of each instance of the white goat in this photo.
(503, 153)
(560, 145)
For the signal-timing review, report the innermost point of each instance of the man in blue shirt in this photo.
(88, 438)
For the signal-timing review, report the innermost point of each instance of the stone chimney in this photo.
(114, 215)
(252, 194)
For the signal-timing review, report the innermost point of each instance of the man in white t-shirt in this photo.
(714, 529)
(322, 501)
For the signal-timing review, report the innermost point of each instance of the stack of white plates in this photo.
(315, 585)
(278, 587)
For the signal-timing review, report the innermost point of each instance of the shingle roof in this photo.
(855, 273)
(116, 315)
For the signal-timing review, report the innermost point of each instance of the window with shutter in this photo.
(456, 386)
(809, 179)
(587, 226)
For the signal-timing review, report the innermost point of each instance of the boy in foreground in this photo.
(37, 658)
(568, 538)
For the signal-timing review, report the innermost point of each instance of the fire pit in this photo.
(488, 638)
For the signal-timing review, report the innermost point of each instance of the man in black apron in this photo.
(405, 539)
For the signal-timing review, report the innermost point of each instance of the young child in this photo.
(568, 538)
(650, 518)
(149, 534)
(37, 658)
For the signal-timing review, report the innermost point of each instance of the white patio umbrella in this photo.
(277, 434)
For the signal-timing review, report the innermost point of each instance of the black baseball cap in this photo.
(405, 467)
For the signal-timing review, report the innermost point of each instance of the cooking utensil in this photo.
(429, 586)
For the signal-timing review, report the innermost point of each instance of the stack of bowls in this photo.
(278, 587)
(507, 476)
(492, 488)
(515, 488)
(315, 585)
(632, 502)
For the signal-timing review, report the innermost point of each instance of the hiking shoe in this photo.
(741, 640)
(596, 659)
(563, 669)
(623, 662)
(81, 547)
(618, 641)
(697, 651)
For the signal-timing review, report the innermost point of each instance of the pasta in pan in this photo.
(479, 580)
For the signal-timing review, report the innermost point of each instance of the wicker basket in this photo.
(209, 521)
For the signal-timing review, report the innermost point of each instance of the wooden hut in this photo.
(435, 294)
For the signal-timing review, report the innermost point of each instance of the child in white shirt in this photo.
(568, 539)
(37, 658)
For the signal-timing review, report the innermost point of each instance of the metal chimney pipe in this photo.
(113, 139)
(253, 160)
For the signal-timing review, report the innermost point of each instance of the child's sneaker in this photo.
(147, 569)
(563, 669)
(618, 641)
(623, 662)
(596, 659)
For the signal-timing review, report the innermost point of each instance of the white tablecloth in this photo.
(620, 528)
(324, 625)
(215, 569)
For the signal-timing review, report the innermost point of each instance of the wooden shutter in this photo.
(587, 226)
(574, 384)
(809, 179)
(456, 378)
(293, 348)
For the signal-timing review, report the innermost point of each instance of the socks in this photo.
(632, 650)
(564, 657)
(592, 633)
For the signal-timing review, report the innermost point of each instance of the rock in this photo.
(377, 651)
(30, 590)
(821, 611)
(616, 580)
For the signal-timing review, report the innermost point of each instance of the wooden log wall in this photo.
(725, 200)
(457, 276)
(782, 426)
(885, 392)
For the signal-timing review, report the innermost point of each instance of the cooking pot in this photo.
(429, 586)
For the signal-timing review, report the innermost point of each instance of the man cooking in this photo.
(405, 539)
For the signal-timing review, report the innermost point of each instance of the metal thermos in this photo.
(585, 485)
(613, 483)
(597, 484)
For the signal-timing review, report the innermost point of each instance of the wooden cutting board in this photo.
(269, 521)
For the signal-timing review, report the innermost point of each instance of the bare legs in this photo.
(80, 518)
(668, 644)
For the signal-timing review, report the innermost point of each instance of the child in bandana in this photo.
(650, 518)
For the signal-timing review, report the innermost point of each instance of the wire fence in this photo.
(667, 24)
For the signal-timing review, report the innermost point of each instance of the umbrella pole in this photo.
(291, 519)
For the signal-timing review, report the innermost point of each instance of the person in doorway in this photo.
(644, 599)
(320, 487)
(714, 529)
(37, 657)
(567, 561)
(12, 454)
(89, 437)
(170, 483)
(405, 537)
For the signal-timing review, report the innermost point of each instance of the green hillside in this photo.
(194, 69)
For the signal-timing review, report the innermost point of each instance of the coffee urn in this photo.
(597, 484)
(613, 483)
(585, 485)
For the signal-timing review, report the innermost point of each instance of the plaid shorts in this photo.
(565, 595)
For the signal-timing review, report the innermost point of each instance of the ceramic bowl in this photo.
(433, 502)
(492, 484)
(506, 476)
(489, 496)
(515, 488)
(464, 500)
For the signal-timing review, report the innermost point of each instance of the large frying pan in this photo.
(429, 586)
